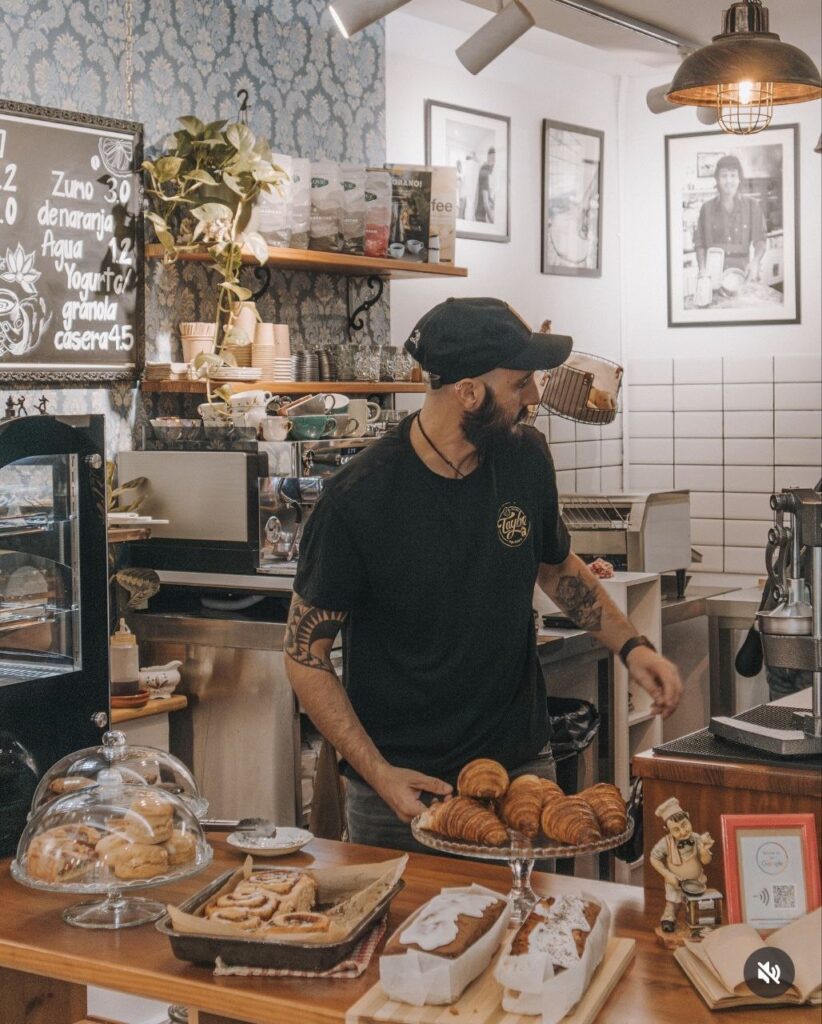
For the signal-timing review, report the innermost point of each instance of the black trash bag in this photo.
(574, 723)
(631, 849)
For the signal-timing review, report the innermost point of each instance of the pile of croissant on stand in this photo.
(489, 803)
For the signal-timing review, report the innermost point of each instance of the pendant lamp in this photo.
(745, 72)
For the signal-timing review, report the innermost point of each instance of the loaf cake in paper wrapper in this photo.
(553, 956)
(306, 906)
(438, 951)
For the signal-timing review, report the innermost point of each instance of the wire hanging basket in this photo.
(585, 388)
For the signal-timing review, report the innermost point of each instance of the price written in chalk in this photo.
(8, 173)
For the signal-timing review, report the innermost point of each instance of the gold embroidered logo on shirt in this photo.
(512, 525)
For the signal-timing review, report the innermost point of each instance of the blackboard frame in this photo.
(47, 374)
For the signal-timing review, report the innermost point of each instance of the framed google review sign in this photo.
(771, 868)
(71, 247)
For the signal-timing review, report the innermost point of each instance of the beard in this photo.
(489, 425)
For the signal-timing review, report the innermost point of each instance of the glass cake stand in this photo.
(520, 853)
(115, 907)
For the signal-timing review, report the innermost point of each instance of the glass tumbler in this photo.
(366, 363)
(344, 361)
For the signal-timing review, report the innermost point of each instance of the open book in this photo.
(716, 965)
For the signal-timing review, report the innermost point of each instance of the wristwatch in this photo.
(630, 644)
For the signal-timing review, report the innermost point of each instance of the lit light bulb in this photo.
(745, 90)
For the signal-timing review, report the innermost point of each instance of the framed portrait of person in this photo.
(733, 228)
(571, 200)
(478, 144)
(771, 868)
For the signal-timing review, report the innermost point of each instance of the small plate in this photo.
(133, 700)
(287, 840)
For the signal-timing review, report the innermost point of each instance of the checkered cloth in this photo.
(352, 967)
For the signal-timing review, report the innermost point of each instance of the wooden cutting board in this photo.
(481, 1002)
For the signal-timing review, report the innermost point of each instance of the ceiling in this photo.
(795, 21)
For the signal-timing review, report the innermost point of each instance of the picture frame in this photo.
(732, 220)
(478, 144)
(72, 294)
(572, 168)
(771, 868)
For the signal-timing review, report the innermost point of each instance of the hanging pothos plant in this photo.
(202, 189)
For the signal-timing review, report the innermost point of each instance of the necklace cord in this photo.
(447, 461)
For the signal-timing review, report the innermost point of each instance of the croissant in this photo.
(607, 804)
(484, 779)
(550, 791)
(570, 820)
(522, 804)
(465, 820)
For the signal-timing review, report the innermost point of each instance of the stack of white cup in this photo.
(263, 351)
(244, 318)
(196, 338)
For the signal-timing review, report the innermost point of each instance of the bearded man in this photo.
(425, 551)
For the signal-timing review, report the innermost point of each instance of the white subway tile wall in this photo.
(587, 457)
(731, 431)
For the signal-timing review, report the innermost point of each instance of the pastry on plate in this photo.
(609, 807)
(570, 820)
(464, 820)
(483, 779)
(521, 806)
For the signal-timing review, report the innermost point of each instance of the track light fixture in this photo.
(745, 72)
(657, 104)
(495, 36)
(352, 16)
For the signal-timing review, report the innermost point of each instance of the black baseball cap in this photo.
(468, 337)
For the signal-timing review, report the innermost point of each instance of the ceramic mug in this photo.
(312, 428)
(414, 246)
(364, 413)
(245, 400)
(213, 412)
(275, 428)
(345, 426)
(311, 405)
(396, 250)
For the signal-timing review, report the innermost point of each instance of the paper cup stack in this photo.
(197, 338)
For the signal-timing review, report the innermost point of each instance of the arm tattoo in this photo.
(579, 602)
(306, 624)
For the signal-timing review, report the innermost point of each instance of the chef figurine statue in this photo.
(679, 857)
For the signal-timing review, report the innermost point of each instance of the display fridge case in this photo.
(54, 618)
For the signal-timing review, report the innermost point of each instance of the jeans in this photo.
(782, 681)
(372, 822)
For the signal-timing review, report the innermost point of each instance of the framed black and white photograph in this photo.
(478, 144)
(733, 233)
(571, 200)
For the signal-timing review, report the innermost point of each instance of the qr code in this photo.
(784, 897)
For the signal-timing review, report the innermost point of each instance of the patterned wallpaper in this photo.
(311, 93)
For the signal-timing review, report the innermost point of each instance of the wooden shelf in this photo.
(331, 263)
(155, 706)
(293, 387)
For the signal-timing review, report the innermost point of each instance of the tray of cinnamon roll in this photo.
(283, 918)
(494, 817)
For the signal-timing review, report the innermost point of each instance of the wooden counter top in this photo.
(33, 939)
(176, 702)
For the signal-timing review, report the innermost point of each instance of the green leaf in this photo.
(165, 238)
(148, 165)
(232, 183)
(214, 128)
(240, 136)
(211, 211)
(193, 125)
(202, 175)
(258, 246)
(157, 220)
(243, 294)
(167, 168)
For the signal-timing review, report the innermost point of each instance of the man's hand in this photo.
(657, 676)
(400, 788)
(752, 271)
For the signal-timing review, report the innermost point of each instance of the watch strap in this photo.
(630, 644)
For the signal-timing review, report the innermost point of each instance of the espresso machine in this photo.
(790, 626)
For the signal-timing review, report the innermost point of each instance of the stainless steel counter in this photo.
(727, 613)
(691, 606)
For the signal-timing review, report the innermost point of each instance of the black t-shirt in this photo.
(437, 576)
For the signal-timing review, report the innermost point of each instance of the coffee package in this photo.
(300, 202)
(352, 181)
(325, 232)
(271, 214)
(410, 212)
(377, 212)
(442, 230)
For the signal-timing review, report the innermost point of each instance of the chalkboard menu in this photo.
(71, 247)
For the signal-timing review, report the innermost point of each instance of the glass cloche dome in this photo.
(138, 766)
(107, 838)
